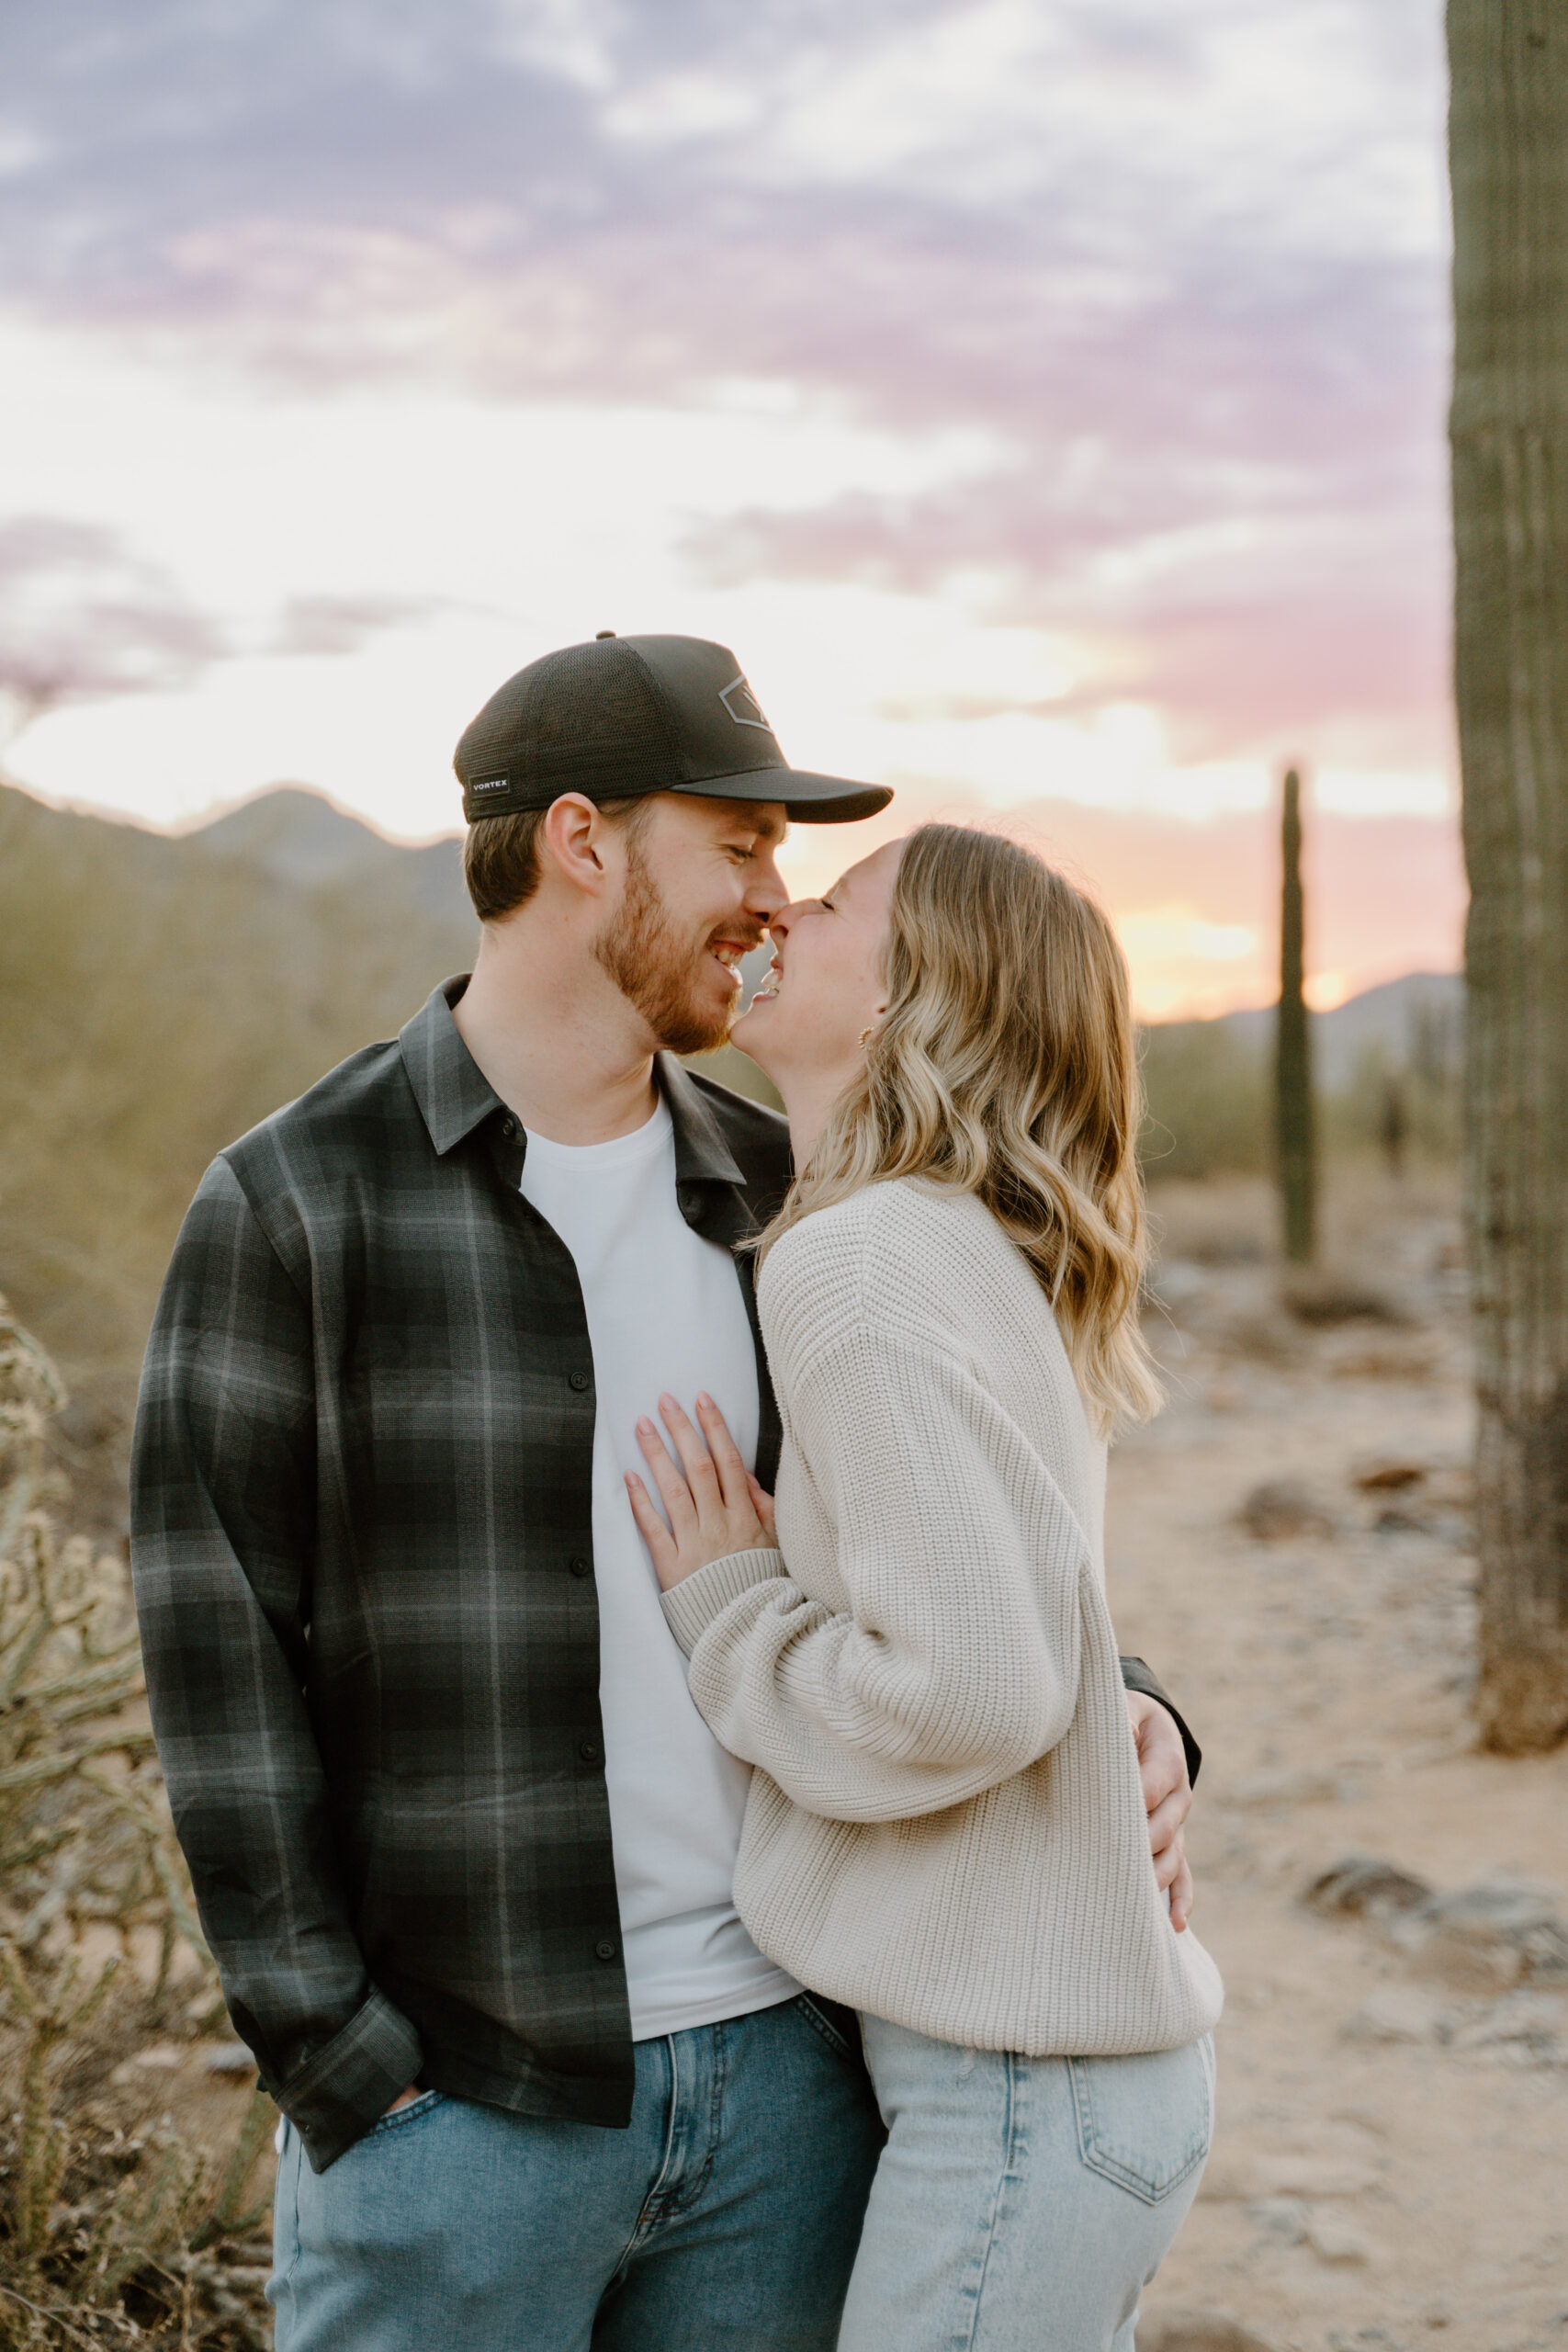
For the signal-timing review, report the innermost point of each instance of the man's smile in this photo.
(728, 954)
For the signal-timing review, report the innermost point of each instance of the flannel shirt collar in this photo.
(702, 1156)
(455, 1096)
(453, 1093)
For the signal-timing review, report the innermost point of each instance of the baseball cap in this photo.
(623, 715)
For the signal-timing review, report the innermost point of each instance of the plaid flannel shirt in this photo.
(363, 1552)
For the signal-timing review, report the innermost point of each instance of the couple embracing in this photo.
(620, 1577)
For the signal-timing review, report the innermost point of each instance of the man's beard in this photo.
(649, 965)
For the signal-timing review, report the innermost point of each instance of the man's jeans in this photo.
(725, 2219)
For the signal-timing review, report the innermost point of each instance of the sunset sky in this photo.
(1045, 400)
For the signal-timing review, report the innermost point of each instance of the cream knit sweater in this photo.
(945, 1825)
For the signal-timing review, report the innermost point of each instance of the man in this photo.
(462, 1844)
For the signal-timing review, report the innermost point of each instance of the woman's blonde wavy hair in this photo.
(1005, 1066)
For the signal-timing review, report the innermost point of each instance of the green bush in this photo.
(1207, 1096)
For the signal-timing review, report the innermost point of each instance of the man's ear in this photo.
(572, 838)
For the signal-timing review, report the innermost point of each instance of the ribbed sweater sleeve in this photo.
(956, 1662)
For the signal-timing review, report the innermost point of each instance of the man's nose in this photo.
(765, 894)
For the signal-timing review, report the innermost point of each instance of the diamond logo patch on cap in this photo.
(742, 704)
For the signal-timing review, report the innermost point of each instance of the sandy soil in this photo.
(1391, 2167)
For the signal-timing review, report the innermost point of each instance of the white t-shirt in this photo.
(664, 1313)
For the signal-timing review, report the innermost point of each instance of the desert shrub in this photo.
(105, 2234)
(1405, 1108)
(1208, 1100)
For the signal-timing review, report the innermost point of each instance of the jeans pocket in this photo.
(396, 2118)
(836, 2024)
(1145, 2122)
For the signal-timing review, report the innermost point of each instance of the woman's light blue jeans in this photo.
(724, 2219)
(1022, 2204)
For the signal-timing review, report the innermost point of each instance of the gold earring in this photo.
(868, 1031)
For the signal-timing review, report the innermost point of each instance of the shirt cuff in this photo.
(1136, 1676)
(335, 2097)
(691, 1606)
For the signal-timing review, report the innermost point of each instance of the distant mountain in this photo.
(1406, 1020)
(1208, 1084)
(300, 839)
(161, 993)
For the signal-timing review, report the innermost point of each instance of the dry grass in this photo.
(114, 2227)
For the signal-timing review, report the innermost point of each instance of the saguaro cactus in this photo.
(1295, 1139)
(1508, 159)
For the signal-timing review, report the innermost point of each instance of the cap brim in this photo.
(807, 799)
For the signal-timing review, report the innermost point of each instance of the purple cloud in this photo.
(338, 625)
(1182, 266)
(82, 618)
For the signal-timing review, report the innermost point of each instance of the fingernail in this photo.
(704, 1400)
(644, 1427)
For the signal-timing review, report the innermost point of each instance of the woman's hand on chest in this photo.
(715, 1504)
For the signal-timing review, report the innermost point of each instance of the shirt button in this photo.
(603, 1949)
(590, 1750)
(579, 1380)
(508, 1128)
(581, 1567)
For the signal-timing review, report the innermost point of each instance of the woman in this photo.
(945, 1827)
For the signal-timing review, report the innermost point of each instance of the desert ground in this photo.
(1289, 1545)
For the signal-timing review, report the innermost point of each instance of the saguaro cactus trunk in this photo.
(1509, 156)
(1294, 1136)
